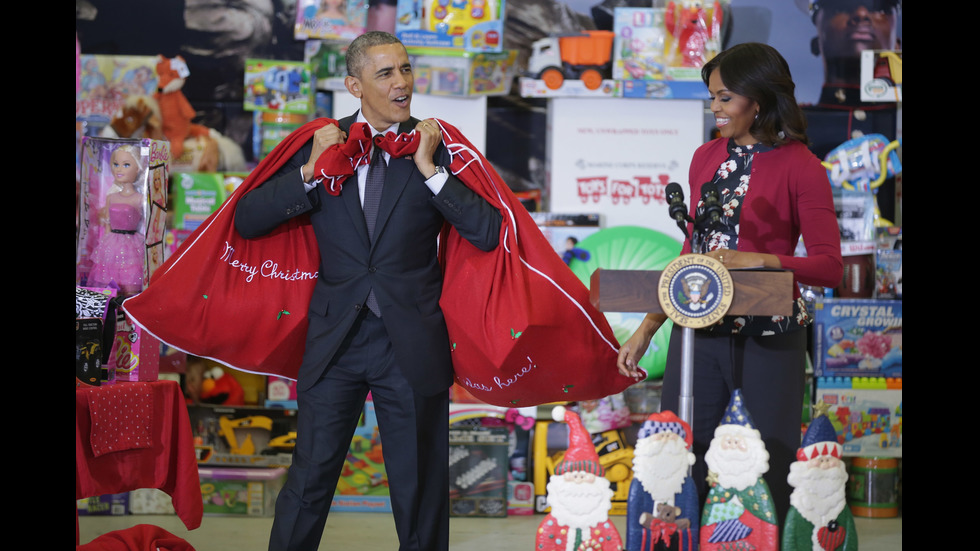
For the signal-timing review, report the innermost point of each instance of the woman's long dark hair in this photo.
(758, 72)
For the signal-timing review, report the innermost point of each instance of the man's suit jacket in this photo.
(401, 265)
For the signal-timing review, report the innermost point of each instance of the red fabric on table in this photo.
(122, 418)
(169, 463)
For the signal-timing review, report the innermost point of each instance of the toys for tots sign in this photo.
(617, 160)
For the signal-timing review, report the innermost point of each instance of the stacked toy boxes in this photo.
(122, 213)
(858, 366)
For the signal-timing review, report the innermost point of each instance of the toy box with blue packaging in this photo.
(461, 73)
(232, 491)
(470, 25)
(330, 19)
(857, 338)
(278, 86)
(868, 422)
(363, 484)
(108, 504)
(888, 263)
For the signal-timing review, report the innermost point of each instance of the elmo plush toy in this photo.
(221, 388)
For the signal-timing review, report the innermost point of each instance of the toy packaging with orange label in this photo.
(470, 25)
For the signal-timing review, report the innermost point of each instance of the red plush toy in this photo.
(219, 387)
(692, 31)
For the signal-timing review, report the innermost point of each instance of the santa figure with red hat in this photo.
(738, 512)
(819, 518)
(662, 510)
(579, 496)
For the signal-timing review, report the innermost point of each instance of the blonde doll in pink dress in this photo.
(120, 254)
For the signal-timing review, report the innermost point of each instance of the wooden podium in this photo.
(755, 292)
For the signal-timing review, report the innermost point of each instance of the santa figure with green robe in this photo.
(819, 518)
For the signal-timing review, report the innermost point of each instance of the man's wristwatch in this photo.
(439, 170)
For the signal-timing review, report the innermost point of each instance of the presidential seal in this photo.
(695, 291)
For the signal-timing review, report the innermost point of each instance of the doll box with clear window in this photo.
(121, 212)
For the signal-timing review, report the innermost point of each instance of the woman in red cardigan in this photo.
(771, 191)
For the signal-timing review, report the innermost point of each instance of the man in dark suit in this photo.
(374, 319)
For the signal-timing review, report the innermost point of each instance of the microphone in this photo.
(711, 201)
(676, 207)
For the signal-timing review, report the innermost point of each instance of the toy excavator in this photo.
(231, 429)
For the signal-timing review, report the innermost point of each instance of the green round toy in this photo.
(630, 248)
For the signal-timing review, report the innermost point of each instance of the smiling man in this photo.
(375, 324)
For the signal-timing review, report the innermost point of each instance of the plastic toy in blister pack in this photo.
(863, 163)
(695, 30)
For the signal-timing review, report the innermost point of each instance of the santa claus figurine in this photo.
(579, 496)
(738, 512)
(662, 509)
(819, 518)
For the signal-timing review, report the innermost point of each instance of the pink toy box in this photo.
(280, 392)
(135, 353)
(121, 212)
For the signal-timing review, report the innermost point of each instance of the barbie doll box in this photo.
(121, 212)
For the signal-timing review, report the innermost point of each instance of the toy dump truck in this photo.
(584, 56)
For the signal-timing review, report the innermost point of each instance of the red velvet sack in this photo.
(205, 300)
(522, 328)
(520, 322)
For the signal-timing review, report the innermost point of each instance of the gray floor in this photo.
(375, 531)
